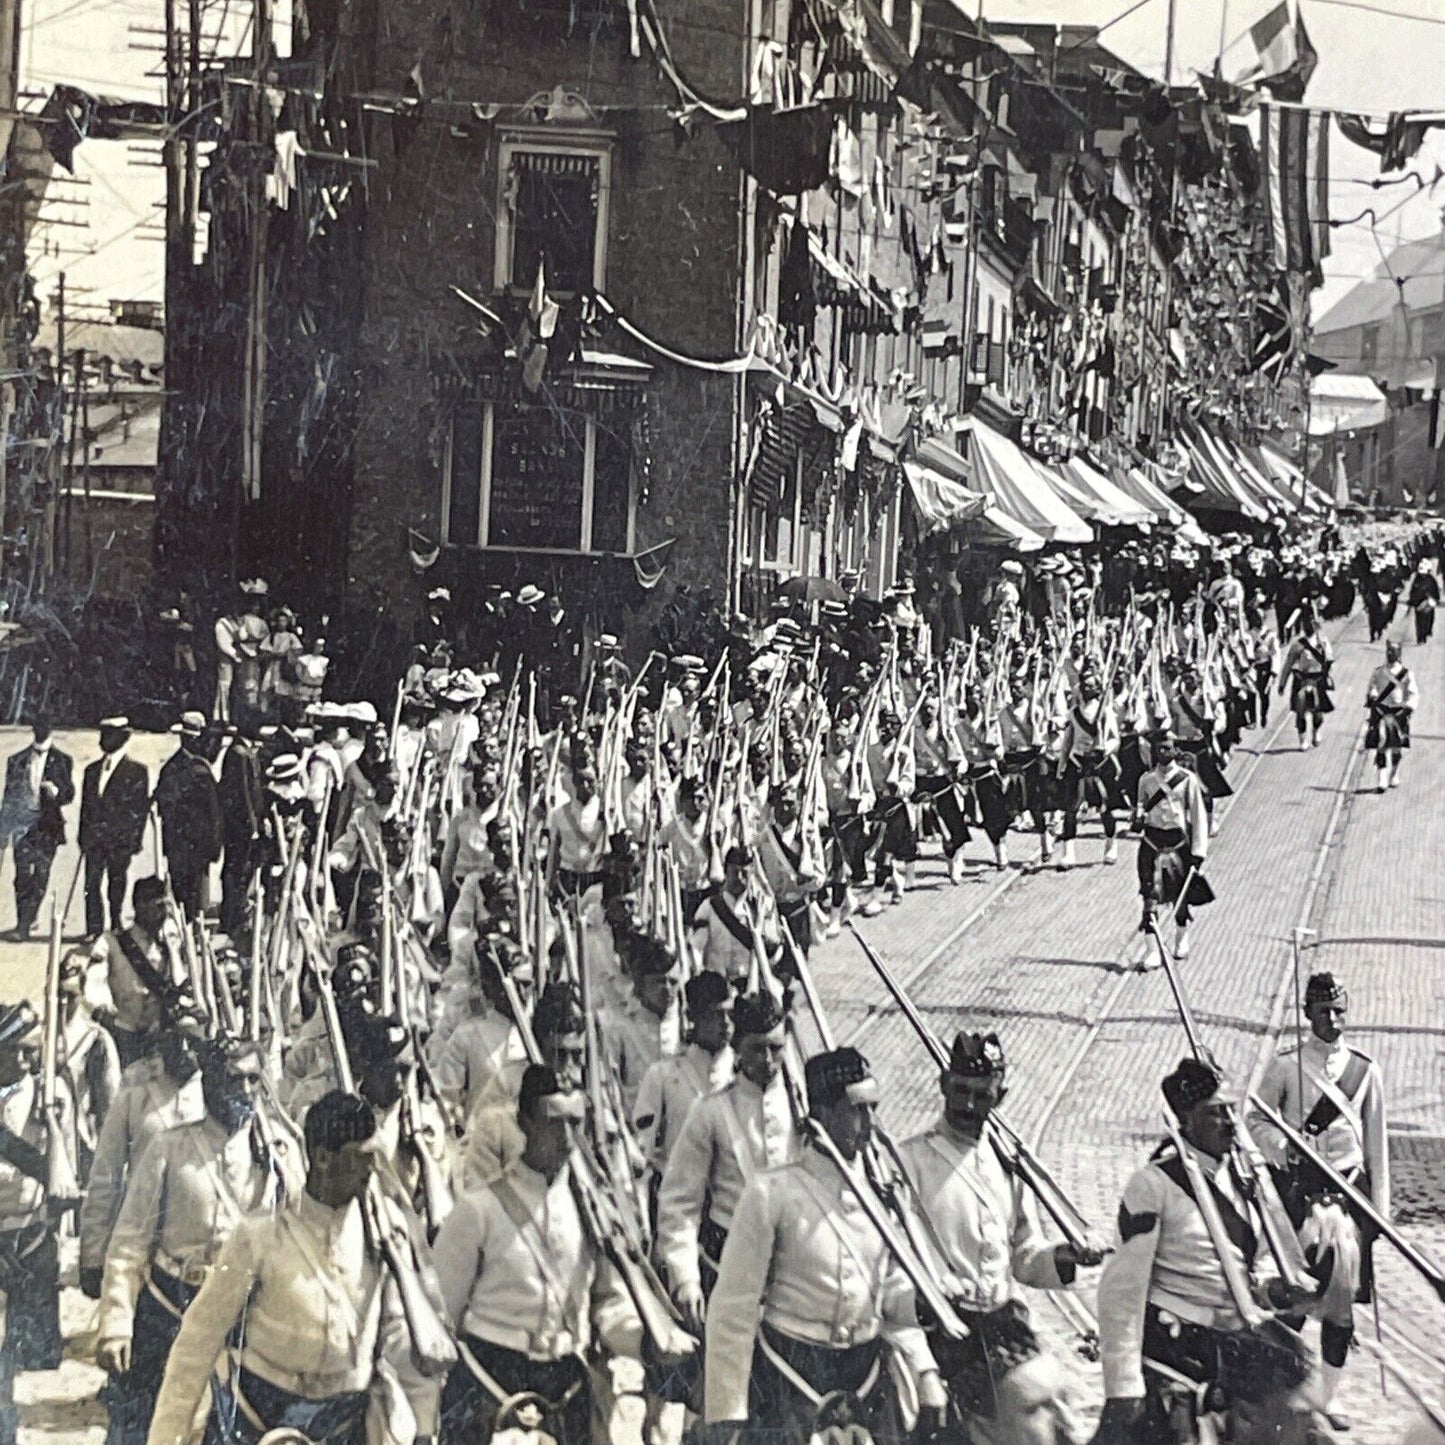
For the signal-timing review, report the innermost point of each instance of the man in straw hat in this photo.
(807, 1293)
(189, 806)
(1001, 1382)
(1334, 1094)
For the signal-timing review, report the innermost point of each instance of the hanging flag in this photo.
(1287, 58)
(1294, 168)
(537, 330)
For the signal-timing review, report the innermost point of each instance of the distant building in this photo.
(1390, 328)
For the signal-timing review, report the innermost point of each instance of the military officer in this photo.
(1335, 1094)
(189, 1189)
(525, 1287)
(807, 1293)
(726, 1138)
(1391, 699)
(1173, 818)
(1000, 1381)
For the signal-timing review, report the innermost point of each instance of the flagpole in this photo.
(1223, 31)
(1169, 43)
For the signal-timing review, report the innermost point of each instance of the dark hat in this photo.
(976, 1056)
(738, 856)
(649, 956)
(756, 1013)
(387, 1041)
(837, 1075)
(558, 1012)
(705, 991)
(148, 890)
(1325, 988)
(17, 1022)
(541, 1086)
(1192, 1083)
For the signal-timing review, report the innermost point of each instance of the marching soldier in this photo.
(525, 1287)
(1000, 1381)
(644, 1026)
(1167, 1294)
(790, 854)
(672, 1085)
(807, 1293)
(1306, 667)
(937, 755)
(725, 926)
(1173, 820)
(1392, 697)
(29, 1256)
(1089, 765)
(182, 1201)
(158, 1092)
(726, 1138)
(1334, 1094)
(685, 836)
(578, 831)
(133, 978)
(325, 1324)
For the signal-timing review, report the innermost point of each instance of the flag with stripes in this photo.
(1294, 156)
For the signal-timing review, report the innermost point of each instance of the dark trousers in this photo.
(469, 1408)
(30, 1282)
(847, 856)
(1424, 624)
(1089, 784)
(236, 872)
(780, 1414)
(33, 856)
(106, 870)
(188, 884)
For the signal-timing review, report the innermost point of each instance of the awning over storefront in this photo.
(1218, 488)
(1090, 493)
(1017, 487)
(1290, 479)
(1133, 482)
(995, 528)
(1340, 403)
(941, 501)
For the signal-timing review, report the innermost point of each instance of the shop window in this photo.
(532, 477)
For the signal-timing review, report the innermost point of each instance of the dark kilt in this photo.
(1309, 694)
(30, 1282)
(131, 1397)
(1387, 732)
(469, 1407)
(1199, 755)
(1163, 868)
(779, 1413)
(998, 1343)
(338, 1420)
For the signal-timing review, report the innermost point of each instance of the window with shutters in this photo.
(553, 210)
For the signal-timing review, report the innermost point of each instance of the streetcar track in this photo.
(1096, 1028)
(878, 1013)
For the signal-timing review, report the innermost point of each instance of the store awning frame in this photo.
(1013, 483)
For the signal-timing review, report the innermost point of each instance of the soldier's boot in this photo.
(1000, 854)
(835, 921)
(1066, 854)
(955, 867)
(1383, 780)
(1395, 774)
(1181, 941)
(1111, 850)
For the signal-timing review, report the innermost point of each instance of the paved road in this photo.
(1044, 957)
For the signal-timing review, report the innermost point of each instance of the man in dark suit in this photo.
(114, 802)
(39, 782)
(243, 807)
(190, 813)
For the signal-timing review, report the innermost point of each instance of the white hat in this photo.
(115, 724)
(530, 596)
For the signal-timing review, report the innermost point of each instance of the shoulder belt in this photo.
(569, 1296)
(794, 857)
(163, 989)
(1334, 1097)
(729, 920)
(1236, 1226)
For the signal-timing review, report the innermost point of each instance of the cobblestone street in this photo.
(1045, 957)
